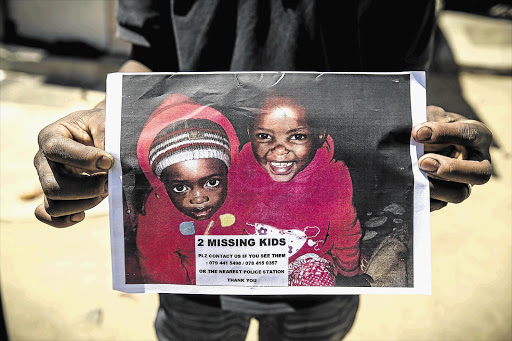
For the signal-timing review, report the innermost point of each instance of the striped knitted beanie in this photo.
(186, 140)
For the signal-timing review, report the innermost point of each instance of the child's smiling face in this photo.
(196, 187)
(281, 139)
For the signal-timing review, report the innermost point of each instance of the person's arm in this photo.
(72, 164)
(344, 226)
(346, 247)
(456, 155)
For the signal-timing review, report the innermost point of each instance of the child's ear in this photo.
(248, 130)
(322, 136)
(319, 139)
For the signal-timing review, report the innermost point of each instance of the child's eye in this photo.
(180, 188)
(298, 137)
(212, 183)
(263, 136)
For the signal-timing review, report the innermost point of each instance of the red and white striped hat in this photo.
(190, 139)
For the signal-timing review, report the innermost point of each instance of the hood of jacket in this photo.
(175, 108)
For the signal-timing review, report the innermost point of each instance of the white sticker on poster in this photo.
(241, 261)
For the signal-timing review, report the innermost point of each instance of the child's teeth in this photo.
(281, 164)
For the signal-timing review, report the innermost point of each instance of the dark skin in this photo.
(197, 188)
(457, 155)
(281, 139)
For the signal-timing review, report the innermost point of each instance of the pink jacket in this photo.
(314, 209)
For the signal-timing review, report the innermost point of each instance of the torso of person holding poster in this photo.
(266, 35)
(259, 35)
(273, 35)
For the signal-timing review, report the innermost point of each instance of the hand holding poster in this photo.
(267, 183)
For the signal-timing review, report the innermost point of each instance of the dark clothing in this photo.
(278, 35)
(179, 318)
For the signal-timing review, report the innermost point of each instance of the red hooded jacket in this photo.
(314, 209)
(166, 255)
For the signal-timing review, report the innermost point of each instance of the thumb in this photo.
(77, 140)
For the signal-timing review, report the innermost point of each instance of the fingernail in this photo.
(104, 163)
(424, 134)
(429, 165)
(77, 217)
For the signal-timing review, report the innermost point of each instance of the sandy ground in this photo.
(56, 283)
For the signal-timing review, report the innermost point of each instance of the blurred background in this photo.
(56, 284)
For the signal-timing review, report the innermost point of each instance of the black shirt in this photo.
(278, 35)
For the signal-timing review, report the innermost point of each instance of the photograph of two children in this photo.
(267, 183)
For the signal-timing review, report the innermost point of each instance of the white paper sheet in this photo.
(357, 172)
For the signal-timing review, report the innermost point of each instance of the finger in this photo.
(465, 133)
(438, 114)
(58, 185)
(456, 170)
(68, 152)
(63, 221)
(449, 192)
(437, 205)
(77, 141)
(59, 208)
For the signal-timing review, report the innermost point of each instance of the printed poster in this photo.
(268, 183)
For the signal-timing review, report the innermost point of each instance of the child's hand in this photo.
(456, 155)
(72, 165)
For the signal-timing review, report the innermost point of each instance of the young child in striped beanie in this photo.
(187, 152)
(191, 158)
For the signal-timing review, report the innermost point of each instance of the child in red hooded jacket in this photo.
(292, 186)
(185, 151)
